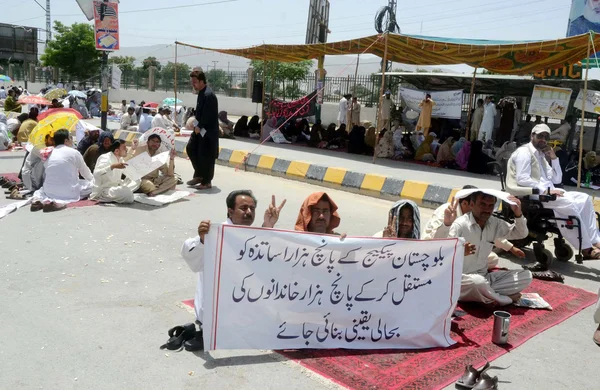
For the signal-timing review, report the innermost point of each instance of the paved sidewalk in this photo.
(428, 186)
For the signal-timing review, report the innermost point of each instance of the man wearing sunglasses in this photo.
(529, 173)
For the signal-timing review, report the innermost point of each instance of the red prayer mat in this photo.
(438, 367)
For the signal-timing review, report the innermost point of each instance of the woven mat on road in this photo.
(82, 203)
(438, 367)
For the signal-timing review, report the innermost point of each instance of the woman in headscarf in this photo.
(404, 221)
(356, 140)
(506, 151)
(462, 157)
(458, 145)
(370, 139)
(241, 127)
(225, 125)
(488, 148)
(424, 152)
(318, 214)
(445, 157)
(254, 125)
(268, 128)
(408, 150)
(385, 147)
(478, 160)
(316, 135)
(417, 139)
(93, 152)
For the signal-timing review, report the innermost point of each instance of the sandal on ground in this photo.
(8, 184)
(36, 206)
(471, 375)
(592, 254)
(195, 344)
(597, 336)
(204, 187)
(15, 195)
(548, 275)
(486, 382)
(178, 335)
(536, 267)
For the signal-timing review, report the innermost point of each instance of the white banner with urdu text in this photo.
(276, 289)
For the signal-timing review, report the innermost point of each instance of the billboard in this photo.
(584, 16)
(106, 25)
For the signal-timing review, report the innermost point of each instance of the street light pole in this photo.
(104, 102)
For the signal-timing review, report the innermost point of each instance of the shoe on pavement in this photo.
(53, 206)
(195, 344)
(194, 181)
(36, 206)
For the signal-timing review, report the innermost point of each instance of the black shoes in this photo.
(184, 336)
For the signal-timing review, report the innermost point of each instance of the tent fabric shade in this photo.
(504, 57)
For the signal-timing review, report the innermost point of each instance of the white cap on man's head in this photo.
(541, 128)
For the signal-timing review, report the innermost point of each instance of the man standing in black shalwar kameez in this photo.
(203, 146)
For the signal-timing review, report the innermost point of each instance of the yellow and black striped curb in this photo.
(424, 194)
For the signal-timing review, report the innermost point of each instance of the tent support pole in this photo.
(585, 85)
(175, 84)
(262, 103)
(349, 127)
(381, 90)
(471, 97)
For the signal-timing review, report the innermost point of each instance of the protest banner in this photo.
(115, 77)
(551, 102)
(281, 109)
(592, 102)
(276, 289)
(142, 164)
(106, 25)
(448, 104)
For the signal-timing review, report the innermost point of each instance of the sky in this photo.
(240, 23)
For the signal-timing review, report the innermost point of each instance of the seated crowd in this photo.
(470, 217)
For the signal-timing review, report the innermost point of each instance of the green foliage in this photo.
(151, 61)
(282, 71)
(73, 50)
(218, 80)
(124, 63)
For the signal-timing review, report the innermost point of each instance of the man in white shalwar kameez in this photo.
(487, 125)
(108, 185)
(61, 183)
(480, 228)
(529, 173)
(445, 215)
(241, 207)
(343, 110)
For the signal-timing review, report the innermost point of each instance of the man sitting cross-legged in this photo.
(161, 179)
(241, 207)
(443, 217)
(108, 183)
(481, 229)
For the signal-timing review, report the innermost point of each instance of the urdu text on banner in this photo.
(592, 103)
(275, 289)
(448, 104)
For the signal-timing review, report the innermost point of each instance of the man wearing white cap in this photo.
(480, 228)
(529, 173)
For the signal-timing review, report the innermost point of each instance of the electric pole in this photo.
(215, 63)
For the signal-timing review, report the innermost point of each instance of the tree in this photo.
(167, 74)
(124, 63)
(281, 71)
(151, 61)
(218, 80)
(73, 50)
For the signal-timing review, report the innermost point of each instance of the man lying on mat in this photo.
(241, 206)
(481, 229)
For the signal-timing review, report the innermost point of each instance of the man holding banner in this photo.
(241, 206)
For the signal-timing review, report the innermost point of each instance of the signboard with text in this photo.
(276, 289)
(592, 102)
(106, 25)
(448, 104)
(551, 102)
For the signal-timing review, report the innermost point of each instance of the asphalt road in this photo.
(88, 295)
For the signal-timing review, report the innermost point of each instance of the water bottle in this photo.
(588, 179)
